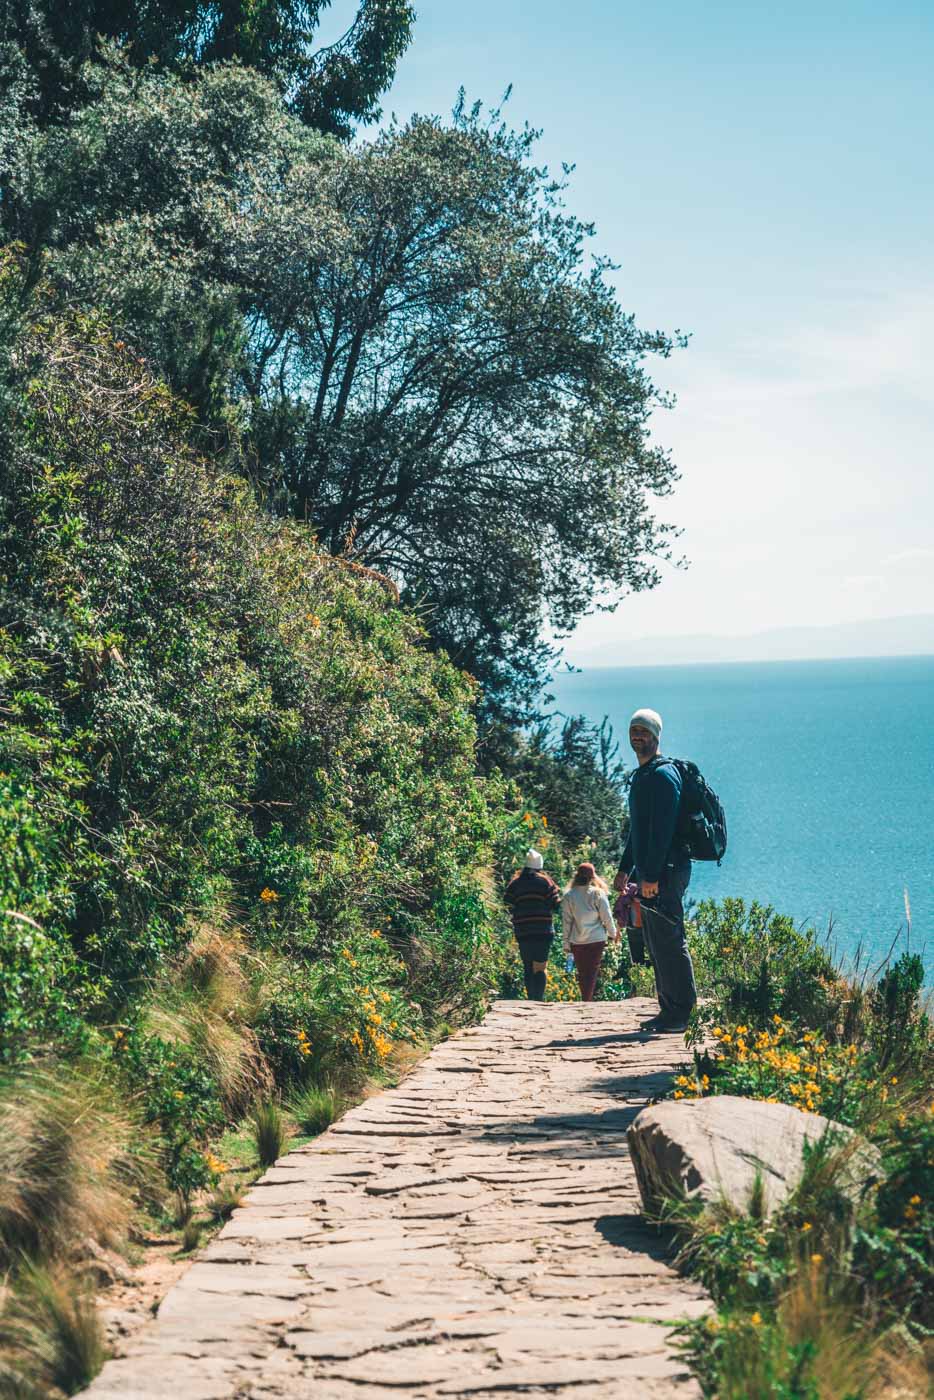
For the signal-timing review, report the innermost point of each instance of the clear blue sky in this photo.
(763, 174)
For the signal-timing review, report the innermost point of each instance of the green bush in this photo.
(211, 722)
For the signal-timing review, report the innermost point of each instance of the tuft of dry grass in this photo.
(206, 1004)
(51, 1343)
(226, 1198)
(71, 1160)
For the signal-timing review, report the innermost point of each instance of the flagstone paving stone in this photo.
(474, 1232)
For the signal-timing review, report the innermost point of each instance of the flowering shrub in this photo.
(796, 1291)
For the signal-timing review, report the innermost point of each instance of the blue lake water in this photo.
(826, 771)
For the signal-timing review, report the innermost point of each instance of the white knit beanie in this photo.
(533, 860)
(648, 719)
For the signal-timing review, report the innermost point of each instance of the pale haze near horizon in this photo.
(764, 181)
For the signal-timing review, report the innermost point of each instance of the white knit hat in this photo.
(648, 719)
(533, 860)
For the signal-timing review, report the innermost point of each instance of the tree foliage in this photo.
(576, 778)
(330, 87)
(404, 343)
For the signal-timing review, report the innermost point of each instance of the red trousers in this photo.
(587, 959)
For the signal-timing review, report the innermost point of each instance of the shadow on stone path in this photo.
(473, 1232)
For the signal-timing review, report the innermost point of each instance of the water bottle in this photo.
(569, 963)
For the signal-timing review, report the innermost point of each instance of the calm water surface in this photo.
(826, 770)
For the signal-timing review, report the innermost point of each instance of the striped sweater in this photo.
(532, 898)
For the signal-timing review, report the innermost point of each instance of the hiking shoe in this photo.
(662, 1024)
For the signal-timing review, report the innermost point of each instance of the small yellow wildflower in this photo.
(817, 1258)
(915, 1200)
(894, 1079)
(376, 933)
(805, 1227)
(756, 1319)
(268, 896)
(679, 1094)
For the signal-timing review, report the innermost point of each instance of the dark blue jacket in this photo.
(654, 797)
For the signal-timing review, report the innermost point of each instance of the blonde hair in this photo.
(592, 882)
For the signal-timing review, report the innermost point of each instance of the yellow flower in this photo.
(267, 895)
(805, 1227)
(894, 1079)
(679, 1094)
(756, 1319)
(915, 1200)
(817, 1258)
(376, 933)
(544, 821)
(179, 1094)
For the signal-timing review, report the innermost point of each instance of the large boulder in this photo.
(717, 1148)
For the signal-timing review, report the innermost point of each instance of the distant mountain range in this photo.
(889, 636)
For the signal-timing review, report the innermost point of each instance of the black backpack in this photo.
(701, 818)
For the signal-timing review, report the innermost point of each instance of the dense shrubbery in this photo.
(207, 719)
(828, 1297)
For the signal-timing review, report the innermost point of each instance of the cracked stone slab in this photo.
(474, 1232)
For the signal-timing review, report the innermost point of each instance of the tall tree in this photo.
(329, 87)
(405, 341)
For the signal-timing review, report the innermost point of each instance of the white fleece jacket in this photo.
(586, 916)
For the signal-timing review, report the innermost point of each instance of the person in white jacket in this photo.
(587, 922)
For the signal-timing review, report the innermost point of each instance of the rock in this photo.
(717, 1147)
(103, 1265)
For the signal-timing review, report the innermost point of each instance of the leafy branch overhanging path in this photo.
(473, 1232)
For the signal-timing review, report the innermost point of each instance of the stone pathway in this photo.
(473, 1232)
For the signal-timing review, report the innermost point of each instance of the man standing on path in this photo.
(661, 864)
(532, 898)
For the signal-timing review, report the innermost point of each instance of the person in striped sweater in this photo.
(532, 898)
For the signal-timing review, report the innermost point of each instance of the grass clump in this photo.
(270, 1131)
(73, 1160)
(315, 1107)
(191, 1235)
(226, 1198)
(51, 1341)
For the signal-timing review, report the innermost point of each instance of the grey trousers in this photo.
(666, 944)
